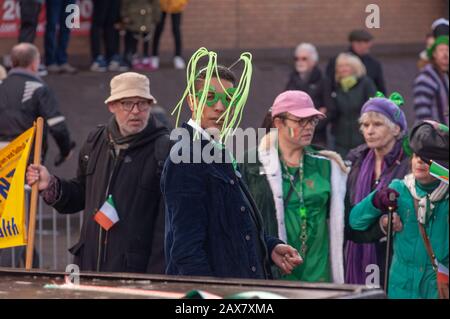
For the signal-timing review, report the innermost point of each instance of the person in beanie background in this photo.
(300, 190)
(432, 84)
(374, 165)
(423, 55)
(117, 185)
(438, 27)
(421, 202)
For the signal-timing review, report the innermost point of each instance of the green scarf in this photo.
(348, 82)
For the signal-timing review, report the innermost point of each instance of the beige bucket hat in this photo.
(130, 84)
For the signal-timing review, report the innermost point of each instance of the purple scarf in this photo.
(358, 256)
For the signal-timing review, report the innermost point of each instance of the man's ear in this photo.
(35, 65)
(112, 107)
(190, 102)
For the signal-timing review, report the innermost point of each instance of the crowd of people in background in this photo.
(118, 29)
(344, 153)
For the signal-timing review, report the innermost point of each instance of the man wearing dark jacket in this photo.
(117, 185)
(24, 97)
(360, 45)
(213, 227)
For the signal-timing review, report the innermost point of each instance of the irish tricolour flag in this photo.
(107, 215)
(442, 274)
(439, 171)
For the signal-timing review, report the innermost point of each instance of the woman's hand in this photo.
(286, 258)
(397, 225)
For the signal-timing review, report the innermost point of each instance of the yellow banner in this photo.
(13, 164)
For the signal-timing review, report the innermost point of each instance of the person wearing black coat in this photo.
(213, 226)
(360, 45)
(307, 77)
(120, 162)
(24, 97)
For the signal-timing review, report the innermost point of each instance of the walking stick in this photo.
(388, 243)
(34, 195)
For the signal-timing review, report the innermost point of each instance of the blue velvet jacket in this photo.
(213, 227)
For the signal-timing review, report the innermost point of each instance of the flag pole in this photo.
(34, 195)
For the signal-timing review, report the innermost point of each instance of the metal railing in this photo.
(55, 234)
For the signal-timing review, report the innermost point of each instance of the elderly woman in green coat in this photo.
(421, 201)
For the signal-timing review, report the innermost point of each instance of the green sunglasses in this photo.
(214, 97)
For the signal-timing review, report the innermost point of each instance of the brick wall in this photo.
(252, 24)
(284, 23)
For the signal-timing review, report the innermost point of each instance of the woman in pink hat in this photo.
(300, 190)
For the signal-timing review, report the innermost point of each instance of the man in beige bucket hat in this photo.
(130, 102)
(117, 185)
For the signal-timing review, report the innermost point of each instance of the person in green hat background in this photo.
(431, 85)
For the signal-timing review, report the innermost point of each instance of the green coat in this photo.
(140, 15)
(411, 274)
(266, 187)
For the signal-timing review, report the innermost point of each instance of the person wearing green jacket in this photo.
(300, 190)
(420, 198)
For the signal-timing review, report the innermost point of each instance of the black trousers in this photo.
(131, 42)
(29, 18)
(176, 24)
(105, 14)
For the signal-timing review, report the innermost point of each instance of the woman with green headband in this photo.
(213, 227)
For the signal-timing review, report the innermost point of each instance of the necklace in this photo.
(302, 209)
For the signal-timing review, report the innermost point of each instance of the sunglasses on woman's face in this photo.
(214, 97)
(301, 58)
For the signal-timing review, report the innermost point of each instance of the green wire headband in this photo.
(236, 97)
